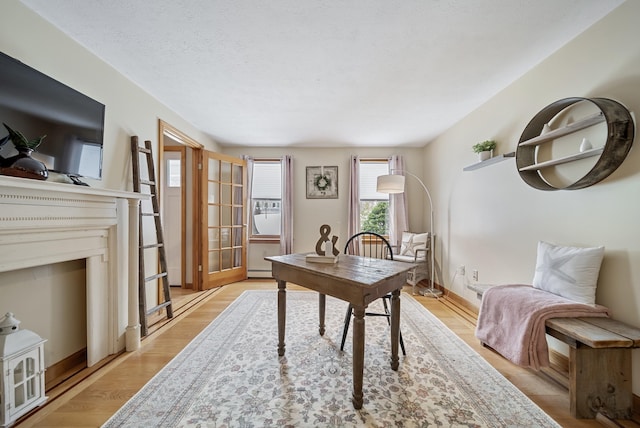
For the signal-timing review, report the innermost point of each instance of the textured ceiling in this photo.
(323, 73)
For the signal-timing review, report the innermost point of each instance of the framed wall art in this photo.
(322, 182)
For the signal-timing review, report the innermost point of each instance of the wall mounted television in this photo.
(36, 104)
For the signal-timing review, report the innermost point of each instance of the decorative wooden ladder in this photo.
(138, 182)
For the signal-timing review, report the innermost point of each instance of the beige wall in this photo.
(488, 220)
(310, 214)
(491, 220)
(51, 301)
(129, 111)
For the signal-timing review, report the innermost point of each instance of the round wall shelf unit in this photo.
(620, 134)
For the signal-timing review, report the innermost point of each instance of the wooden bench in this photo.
(599, 364)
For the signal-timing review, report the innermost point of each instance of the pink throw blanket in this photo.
(512, 321)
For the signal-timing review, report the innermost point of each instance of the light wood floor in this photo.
(95, 399)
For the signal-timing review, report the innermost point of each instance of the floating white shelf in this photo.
(490, 161)
(566, 159)
(557, 133)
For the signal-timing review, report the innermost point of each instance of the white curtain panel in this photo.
(286, 227)
(353, 224)
(398, 212)
(248, 185)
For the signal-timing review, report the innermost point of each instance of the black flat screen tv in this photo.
(36, 105)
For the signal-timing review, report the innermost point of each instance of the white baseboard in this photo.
(258, 273)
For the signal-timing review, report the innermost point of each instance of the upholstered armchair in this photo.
(414, 248)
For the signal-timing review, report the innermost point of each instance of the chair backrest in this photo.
(369, 244)
(411, 242)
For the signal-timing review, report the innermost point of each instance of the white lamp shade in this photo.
(392, 183)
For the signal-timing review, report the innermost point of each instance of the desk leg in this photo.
(358, 356)
(322, 304)
(282, 314)
(395, 328)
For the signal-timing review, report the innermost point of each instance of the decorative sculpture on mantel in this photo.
(22, 164)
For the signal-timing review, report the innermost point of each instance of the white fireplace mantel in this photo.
(44, 222)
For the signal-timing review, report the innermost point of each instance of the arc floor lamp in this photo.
(394, 183)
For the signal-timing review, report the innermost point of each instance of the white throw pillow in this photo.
(407, 238)
(411, 242)
(570, 272)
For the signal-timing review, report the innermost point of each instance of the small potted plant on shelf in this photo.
(484, 149)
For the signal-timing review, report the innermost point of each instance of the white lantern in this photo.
(22, 365)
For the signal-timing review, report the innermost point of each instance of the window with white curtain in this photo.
(374, 206)
(266, 199)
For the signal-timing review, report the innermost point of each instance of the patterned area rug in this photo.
(231, 376)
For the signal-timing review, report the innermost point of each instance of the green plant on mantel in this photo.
(485, 146)
(21, 142)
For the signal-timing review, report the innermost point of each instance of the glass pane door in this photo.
(225, 241)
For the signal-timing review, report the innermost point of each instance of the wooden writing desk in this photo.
(357, 280)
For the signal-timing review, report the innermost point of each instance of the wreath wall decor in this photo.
(322, 182)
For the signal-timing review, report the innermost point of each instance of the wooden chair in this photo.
(375, 246)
